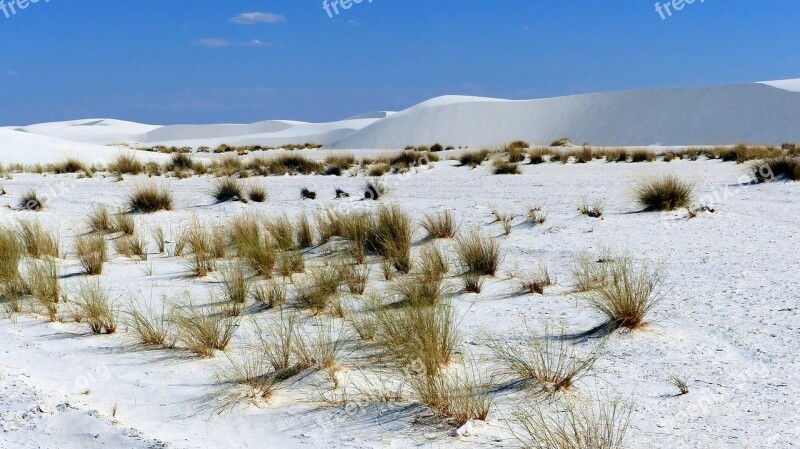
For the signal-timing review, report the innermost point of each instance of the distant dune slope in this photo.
(752, 113)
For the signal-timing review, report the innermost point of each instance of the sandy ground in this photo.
(728, 324)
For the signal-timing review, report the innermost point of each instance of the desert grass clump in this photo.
(473, 158)
(150, 198)
(536, 281)
(424, 336)
(180, 161)
(355, 277)
(681, 384)
(37, 241)
(203, 330)
(592, 209)
(664, 193)
(418, 290)
(473, 283)
(201, 244)
(272, 294)
(42, 281)
(479, 253)
(126, 164)
(149, 327)
(71, 165)
(92, 253)
(776, 168)
(457, 396)
(236, 285)
(433, 263)
(627, 294)
(505, 219)
(282, 232)
(536, 215)
(319, 288)
(562, 142)
(642, 155)
(261, 254)
(138, 247)
(11, 251)
(99, 220)
(290, 262)
(577, 425)
(440, 226)
(227, 189)
(95, 308)
(304, 233)
(159, 239)
(392, 235)
(31, 201)
(257, 193)
(123, 223)
(502, 167)
(551, 360)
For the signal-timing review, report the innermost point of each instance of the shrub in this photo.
(593, 210)
(663, 194)
(340, 162)
(440, 226)
(379, 169)
(578, 425)
(551, 361)
(537, 155)
(391, 238)
(95, 308)
(31, 201)
(91, 251)
(418, 290)
(99, 220)
(355, 277)
(37, 241)
(71, 165)
(138, 247)
(283, 348)
(473, 283)
(642, 155)
(776, 168)
(11, 251)
(282, 232)
(201, 244)
(293, 164)
(506, 168)
(627, 294)
(433, 263)
(478, 253)
(473, 158)
(203, 330)
(126, 164)
(505, 219)
(147, 199)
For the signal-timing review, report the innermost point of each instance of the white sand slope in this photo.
(25, 148)
(100, 131)
(752, 113)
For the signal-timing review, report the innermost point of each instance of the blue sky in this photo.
(199, 61)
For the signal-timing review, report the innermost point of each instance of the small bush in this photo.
(456, 396)
(536, 281)
(478, 253)
(680, 384)
(627, 294)
(319, 288)
(305, 234)
(123, 222)
(282, 232)
(473, 283)
(37, 241)
(228, 189)
(41, 281)
(641, 155)
(291, 262)
(440, 226)
(392, 235)
(71, 165)
(91, 251)
(201, 244)
(31, 201)
(147, 199)
(180, 161)
(418, 290)
(355, 277)
(235, 284)
(537, 155)
(257, 193)
(95, 308)
(272, 294)
(663, 194)
(159, 239)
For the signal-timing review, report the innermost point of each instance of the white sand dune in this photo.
(752, 113)
(100, 131)
(26, 148)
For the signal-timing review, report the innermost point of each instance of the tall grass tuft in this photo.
(37, 241)
(203, 330)
(479, 253)
(41, 281)
(99, 220)
(147, 199)
(440, 226)
(92, 253)
(318, 290)
(664, 193)
(227, 189)
(149, 327)
(11, 251)
(95, 308)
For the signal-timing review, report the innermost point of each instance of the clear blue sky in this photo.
(191, 61)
